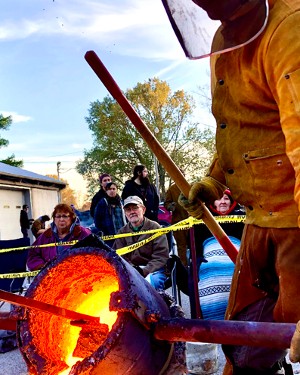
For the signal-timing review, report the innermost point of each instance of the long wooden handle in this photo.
(165, 160)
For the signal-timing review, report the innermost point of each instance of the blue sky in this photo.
(47, 86)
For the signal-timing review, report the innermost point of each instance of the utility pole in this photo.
(58, 164)
(156, 131)
(58, 167)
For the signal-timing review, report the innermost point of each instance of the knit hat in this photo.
(101, 176)
(228, 193)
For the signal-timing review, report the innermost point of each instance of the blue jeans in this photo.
(256, 358)
(157, 279)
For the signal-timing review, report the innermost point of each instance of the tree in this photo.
(118, 146)
(68, 195)
(5, 123)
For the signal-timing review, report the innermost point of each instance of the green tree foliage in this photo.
(118, 146)
(5, 123)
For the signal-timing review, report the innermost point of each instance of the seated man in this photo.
(151, 258)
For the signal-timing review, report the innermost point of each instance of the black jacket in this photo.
(147, 193)
(96, 198)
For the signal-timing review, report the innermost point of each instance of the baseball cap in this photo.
(134, 199)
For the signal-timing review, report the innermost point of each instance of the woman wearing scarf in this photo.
(109, 213)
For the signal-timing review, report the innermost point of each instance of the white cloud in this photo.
(135, 28)
(16, 117)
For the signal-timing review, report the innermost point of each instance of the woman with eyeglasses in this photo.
(64, 228)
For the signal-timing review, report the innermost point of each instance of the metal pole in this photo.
(228, 332)
(157, 175)
(195, 274)
(164, 159)
(58, 164)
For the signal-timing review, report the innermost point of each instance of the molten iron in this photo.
(95, 282)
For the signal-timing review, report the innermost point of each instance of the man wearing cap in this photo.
(151, 258)
(255, 84)
(104, 179)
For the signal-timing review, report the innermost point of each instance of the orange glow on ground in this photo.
(81, 283)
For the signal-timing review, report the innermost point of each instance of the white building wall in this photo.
(43, 202)
(11, 202)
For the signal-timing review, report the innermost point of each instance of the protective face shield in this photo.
(195, 30)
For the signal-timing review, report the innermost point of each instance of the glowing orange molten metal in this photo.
(84, 284)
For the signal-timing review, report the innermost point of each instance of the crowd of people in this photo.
(255, 88)
(133, 210)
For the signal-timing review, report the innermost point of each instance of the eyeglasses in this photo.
(62, 216)
(133, 208)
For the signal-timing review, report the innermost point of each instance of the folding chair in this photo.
(12, 262)
(178, 278)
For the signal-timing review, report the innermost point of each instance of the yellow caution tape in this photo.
(18, 275)
(182, 225)
(67, 243)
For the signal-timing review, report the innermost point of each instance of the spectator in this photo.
(109, 212)
(178, 214)
(215, 267)
(63, 228)
(150, 259)
(24, 220)
(255, 101)
(38, 226)
(139, 185)
(104, 179)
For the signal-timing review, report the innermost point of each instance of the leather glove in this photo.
(295, 345)
(140, 270)
(207, 190)
(194, 209)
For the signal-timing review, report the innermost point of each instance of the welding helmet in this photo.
(196, 22)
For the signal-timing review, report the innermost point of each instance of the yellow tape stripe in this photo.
(67, 243)
(128, 249)
(182, 225)
(18, 275)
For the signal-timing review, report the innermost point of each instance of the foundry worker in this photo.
(64, 228)
(255, 84)
(151, 258)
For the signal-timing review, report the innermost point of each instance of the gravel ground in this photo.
(12, 363)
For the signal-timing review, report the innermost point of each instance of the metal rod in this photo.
(47, 308)
(195, 273)
(165, 160)
(229, 332)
